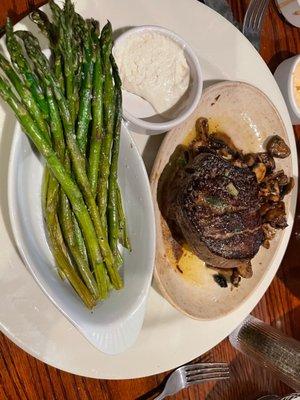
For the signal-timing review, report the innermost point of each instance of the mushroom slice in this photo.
(245, 270)
(260, 171)
(277, 147)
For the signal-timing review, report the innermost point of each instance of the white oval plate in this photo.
(113, 325)
(167, 338)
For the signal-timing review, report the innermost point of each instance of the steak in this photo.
(215, 204)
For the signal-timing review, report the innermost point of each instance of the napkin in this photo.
(223, 8)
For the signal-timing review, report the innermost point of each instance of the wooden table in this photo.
(24, 377)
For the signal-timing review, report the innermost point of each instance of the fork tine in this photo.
(205, 380)
(192, 367)
(212, 368)
(257, 14)
(252, 15)
(246, 18)
(211, 375)
(207, 371)
(265, 4)
(248, 15)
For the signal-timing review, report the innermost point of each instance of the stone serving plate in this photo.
(249, 118)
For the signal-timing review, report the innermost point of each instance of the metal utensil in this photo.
(192, 374)
(253, 21)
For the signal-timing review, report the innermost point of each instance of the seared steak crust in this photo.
(217, 209)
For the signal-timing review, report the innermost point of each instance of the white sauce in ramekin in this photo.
(154, 67)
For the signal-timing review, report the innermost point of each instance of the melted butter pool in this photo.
(214, 126)
(188, 265)
(193, 269)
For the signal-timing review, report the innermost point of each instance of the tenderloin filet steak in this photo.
(216, 206)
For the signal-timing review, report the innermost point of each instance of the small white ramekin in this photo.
(290, 10)
(134, 111)
(284, 76)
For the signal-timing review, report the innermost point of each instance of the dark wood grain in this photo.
(24, 377)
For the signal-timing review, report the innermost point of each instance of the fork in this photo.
(192, 374)
(253, 21)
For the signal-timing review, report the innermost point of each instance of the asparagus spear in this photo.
(69, 272)
(65, 180)
(123, 234)
(30, 80)
(42, 21)
(78, 35)
(25, 94)
(45, 183)
(95, 144)
(55, 125)
(49, 191)
(84, 115)
(66, 48)
(78, 161)
(49, 212)
(116, 201)
(112, 206)
(79, 238)
(51, 32)
(66, 223)
(64, 263)
(108, 119)
(56, 12)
